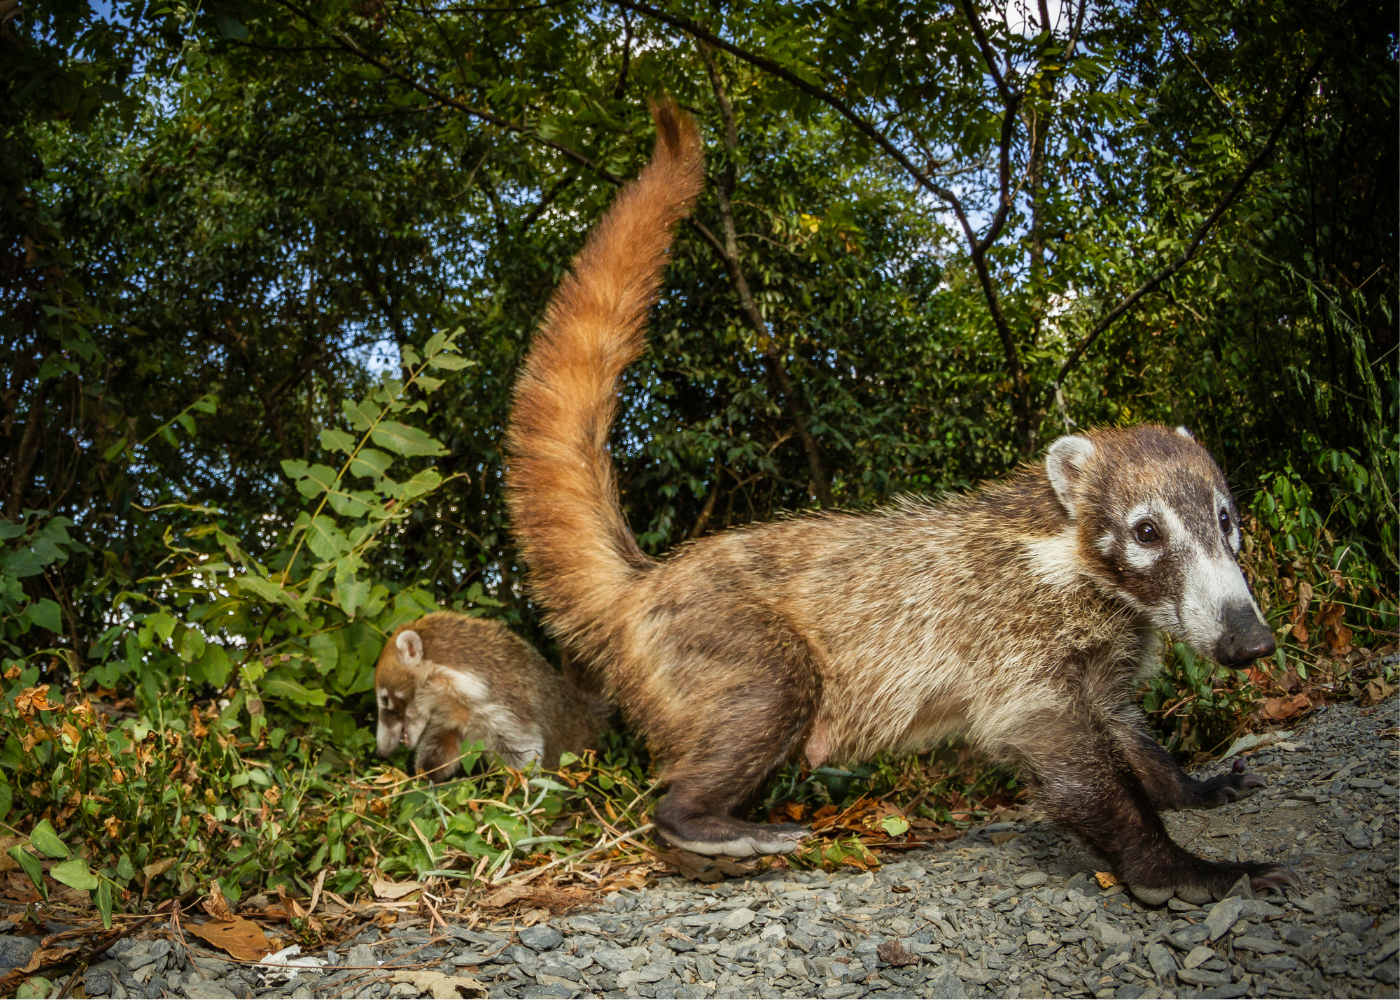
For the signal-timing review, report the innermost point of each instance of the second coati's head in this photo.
(1157, 526)
(403, 715)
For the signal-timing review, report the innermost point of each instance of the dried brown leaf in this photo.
(241, 938)
(892, 953)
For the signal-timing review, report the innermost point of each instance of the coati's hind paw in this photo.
(1233, 785)
(1213, 880)
(736, 839)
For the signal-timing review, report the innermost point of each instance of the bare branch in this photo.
(729, 253)
(1146, 288)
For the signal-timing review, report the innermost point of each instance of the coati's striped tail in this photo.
(561, 488)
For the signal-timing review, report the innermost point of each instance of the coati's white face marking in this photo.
(1162, 534)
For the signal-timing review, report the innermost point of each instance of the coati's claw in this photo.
(750, 840)
(1233, 785)
(1273, 876)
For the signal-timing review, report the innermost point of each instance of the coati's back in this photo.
(449, 676)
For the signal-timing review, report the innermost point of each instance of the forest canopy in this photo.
(267, 271)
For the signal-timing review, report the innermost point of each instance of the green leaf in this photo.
(112, 451)
(323, 537)
(7, 796)
(352, 594)
(450, 362)
(422, 482)
(285, 687)
(323, 647)
(354, 504)
(31, 867)
(895, 826)
(369, 463)
(316, 480)
(337, 440)
(75, 873)
(361, 415)
(215, 665)
(45, 840)
(405, 440)
(125, 869)
(46, 614)
(263, 588)
(104, 903)
(191, 645)
(34, 988)
(427, 383)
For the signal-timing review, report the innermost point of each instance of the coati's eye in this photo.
(1225, 522)
(1146, 533)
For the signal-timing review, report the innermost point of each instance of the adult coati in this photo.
(1020, 615)
(449, 679)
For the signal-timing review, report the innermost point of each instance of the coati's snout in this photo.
(395, 681)
(1245, 638)
(1163, 532)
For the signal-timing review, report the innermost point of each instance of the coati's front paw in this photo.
(1233, 785)
(1212, 880)
(736, 839)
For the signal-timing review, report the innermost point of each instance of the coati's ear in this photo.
(1185, 431)
(410, 646)
(1064, 464)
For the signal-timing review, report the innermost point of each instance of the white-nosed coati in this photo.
(1019, 615)
(449, 680)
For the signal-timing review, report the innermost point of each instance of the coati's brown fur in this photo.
(449, 680)
(1019, 616)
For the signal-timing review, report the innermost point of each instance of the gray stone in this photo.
(1109, 935)
(560, 970)
(1387, 972)
(1203, 977)
(1188, 937)
(621, 959)
(736, 919)
(15, 951)
(944, 983)
(1229, 990)
(1163, 963)
(1222, 917)
(541, 937)
(1198, 956)
(1031, 879)
(361, 957)
(1358, 837)
(1260, 946)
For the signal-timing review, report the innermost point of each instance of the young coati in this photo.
(448, 680)
(1019, 616)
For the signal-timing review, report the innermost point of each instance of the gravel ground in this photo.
(1011, 910)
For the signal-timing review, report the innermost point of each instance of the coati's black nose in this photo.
(1245, 638)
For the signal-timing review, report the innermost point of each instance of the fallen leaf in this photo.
(532, 917)
(505, 896)
(1339, 640)
(1106, 879)
(215, 904)
(1003, 837)
(385, 889)
(442, 987)
(241, 938)
(1285, 708)
(158, 867)
(892, 952)
(1377, 691)
(1305, 596)
(1300, 633)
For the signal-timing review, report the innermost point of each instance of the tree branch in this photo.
(729, 253)
(1290, 109)
(347, 44)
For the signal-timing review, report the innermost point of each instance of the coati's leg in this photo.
(1166, 784)
(751, 728)
(439, 753)
(1086, 784)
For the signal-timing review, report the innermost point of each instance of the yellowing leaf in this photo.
(1106, 879)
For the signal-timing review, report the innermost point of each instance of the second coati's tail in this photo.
(561, 489)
